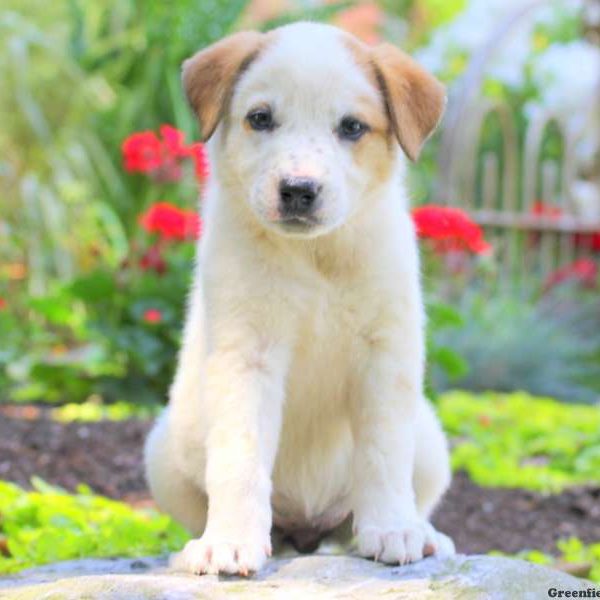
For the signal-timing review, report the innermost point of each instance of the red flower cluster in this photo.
(3, 303)
(583, 271)
(171, 222)
(161, 156)
(450, 228)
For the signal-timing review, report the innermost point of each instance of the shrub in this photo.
(516, 343)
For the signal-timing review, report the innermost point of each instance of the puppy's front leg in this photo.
(243, 397)
(386, 522)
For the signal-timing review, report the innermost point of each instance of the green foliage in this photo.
(91, 337)
(438, 12)
(136, 49)
(79, 78)
(512, 344)
(442, 358)
(574, 550)
(48, 525)
(570, 551)
(92, 412)
(518, 440)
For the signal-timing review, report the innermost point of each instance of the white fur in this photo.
(298, 395)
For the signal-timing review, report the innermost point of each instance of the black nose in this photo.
(297, 196)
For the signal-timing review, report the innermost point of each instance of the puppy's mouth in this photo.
(297, 225)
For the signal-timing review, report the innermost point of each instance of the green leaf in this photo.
(443, 315)
(94, 287)
(451, 362)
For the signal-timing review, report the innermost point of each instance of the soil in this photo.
(107, 456)
(482, 519)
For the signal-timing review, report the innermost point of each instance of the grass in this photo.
(517, 440)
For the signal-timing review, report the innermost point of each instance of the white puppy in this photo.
(298, 398)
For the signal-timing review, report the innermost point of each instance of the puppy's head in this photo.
(309, 120)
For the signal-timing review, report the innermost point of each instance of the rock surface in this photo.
(300, 578)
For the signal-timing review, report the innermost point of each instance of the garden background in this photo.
(99, 179)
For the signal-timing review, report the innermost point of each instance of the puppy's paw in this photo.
(402, 543)
(213, 555)
(445, 545)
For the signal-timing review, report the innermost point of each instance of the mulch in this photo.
(107, 456)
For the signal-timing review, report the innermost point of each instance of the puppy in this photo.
(298, 398)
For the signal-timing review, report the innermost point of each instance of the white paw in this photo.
(403, 543)
(213, 555)
(445, 545)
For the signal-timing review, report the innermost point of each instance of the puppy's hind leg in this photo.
(173, 492)
(432, 474)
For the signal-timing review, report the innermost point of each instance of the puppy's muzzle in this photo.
(298, 198)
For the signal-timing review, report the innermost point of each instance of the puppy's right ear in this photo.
(209, 76)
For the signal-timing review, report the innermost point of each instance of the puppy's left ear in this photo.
(414, 99)
(210, 75)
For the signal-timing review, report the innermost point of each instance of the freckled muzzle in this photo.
(299, 194)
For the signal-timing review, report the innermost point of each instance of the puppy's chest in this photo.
(334, 327)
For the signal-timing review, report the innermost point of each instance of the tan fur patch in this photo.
(362, 57)
(372, 153)
(210, 75)
(373, 113)
(414, 99)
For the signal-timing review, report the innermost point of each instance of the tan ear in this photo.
(415, 100)
(209, 76)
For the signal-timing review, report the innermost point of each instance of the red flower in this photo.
(152, 316)
(173, 141)
(3, 303)
(198, 153)
(590, 241)
(153, 260)
(171, 222)
(450, 229)
(584, 271)
(142, 152)
(161, 157)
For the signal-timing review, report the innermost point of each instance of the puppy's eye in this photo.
(261, 119)
(352, 129)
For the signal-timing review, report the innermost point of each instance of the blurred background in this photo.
(518, 150)
(100, 174)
